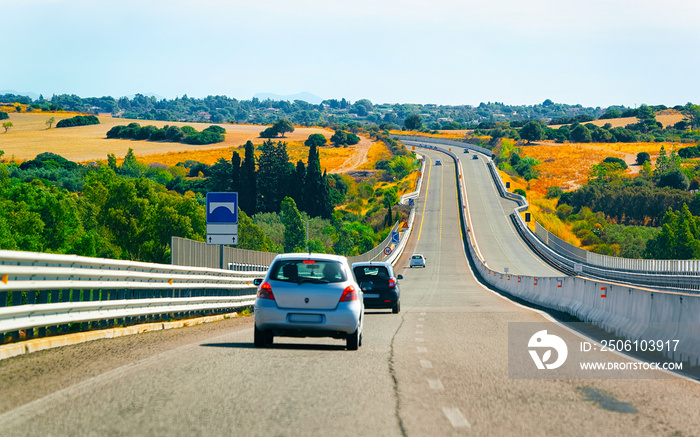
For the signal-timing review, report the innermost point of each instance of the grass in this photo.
(29, 137)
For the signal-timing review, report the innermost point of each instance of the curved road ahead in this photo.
(438, 368)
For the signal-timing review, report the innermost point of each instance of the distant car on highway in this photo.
(438, 162)
(475, 156)
(379, 284)
(309, 295)
(466, 150)
(417, 260)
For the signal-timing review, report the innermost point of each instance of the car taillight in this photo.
(265, 291)
(392, 283)
(349, 294)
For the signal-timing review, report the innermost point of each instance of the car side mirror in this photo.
(257, 281)
(399, 277)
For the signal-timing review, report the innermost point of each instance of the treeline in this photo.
(647, 129)
(185, 134)
(78, 120)
(329, 113)
(631, 202)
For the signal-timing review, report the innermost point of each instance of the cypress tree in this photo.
(313, 183)
(235, 172)
(248, 188)
(274, 170)
(294, 234)
(296, 184)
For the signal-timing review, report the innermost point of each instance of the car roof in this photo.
(371, 263)
(314, 256)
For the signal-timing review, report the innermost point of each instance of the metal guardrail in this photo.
(54, 290)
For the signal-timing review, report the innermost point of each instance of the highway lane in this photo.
(437, 368)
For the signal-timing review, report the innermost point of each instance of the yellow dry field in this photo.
(29, 137)
(568, 165)
(668, 117)
(377, 152)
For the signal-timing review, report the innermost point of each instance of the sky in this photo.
(452, 52)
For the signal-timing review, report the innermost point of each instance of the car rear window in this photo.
(416, 257)
(307, 271)
(369, 273)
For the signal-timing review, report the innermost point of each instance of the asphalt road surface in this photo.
(438, 368)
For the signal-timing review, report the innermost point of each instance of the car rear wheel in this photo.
(353, 340)
(262, 338)
(396, 308)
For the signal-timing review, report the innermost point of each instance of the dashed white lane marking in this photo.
(419, 332)
(426, 364)
(436, 384)
(421, 319)
(422, 314)
(421, 350)
(419, 326)
(418, 339)
(456, 418)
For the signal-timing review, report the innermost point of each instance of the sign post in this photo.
(222, 221)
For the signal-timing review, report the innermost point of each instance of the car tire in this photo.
(353, 340)
(261, 338)
(396, 308)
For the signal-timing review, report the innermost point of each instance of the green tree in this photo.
(296, 183)
(643, 157)
(50, 122)
(294, 235)
(318, 139)
(678, 239)
(339, 138)
(532, 131)
(283, 126)
(647, 118)
(274, 170)
(248, 194)
(220, 176)
(413, 122)
(317, 198)
(580, 134)
(235, 172)
(7, 125)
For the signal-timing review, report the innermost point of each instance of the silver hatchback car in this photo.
(309, 295)
(417, 260)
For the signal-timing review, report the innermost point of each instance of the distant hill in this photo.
(33, 96)
(307, 97)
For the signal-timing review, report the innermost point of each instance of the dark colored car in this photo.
(379, 284)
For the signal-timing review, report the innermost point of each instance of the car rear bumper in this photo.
(338, 323)
(386, 299)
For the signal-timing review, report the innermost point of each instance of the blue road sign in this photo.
(222, 208)
(395, 237)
